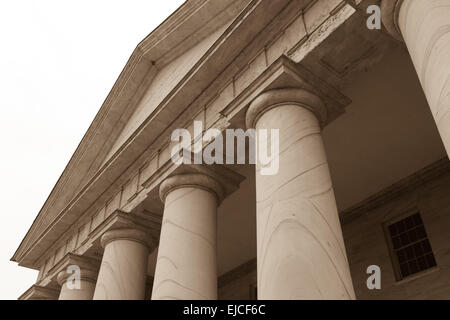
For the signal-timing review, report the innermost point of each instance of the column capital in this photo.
(71, 259)
(279, 97)
(87, 275)
(390, 10)
(194, 180)
(132, 234)
(37, 292)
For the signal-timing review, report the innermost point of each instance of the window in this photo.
(411, 249)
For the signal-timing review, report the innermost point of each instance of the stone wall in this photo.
(366, 242)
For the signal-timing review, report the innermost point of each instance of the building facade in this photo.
(359, 206)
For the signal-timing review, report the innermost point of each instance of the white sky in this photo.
(58, 61)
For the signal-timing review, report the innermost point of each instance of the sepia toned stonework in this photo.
(301, 252)
(364, 135)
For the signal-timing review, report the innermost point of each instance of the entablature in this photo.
(257, 52)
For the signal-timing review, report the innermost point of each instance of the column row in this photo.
(301, 252)
(300, 248)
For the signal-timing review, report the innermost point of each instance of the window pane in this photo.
(411, 245)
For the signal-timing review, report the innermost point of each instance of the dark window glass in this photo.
(411, 246)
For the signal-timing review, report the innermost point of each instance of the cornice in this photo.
(408, 184)
(36, 292)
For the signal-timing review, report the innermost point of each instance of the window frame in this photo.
(393, 252)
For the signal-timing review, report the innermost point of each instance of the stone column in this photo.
(123, 272)
(71, 290)
(301, 252)
(186, 267)
(424, 25)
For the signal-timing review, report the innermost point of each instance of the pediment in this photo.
(153, 70)
(167, 72)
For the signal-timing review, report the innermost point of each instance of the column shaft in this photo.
(187, 265)
(425, 27)
(83, 290)
(123, 272)
(301, 252)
